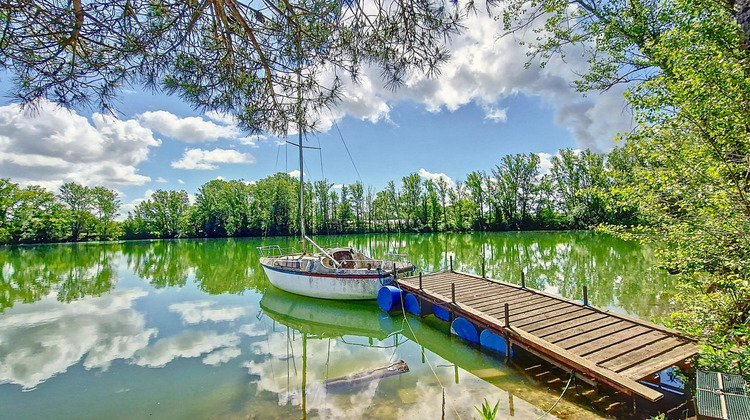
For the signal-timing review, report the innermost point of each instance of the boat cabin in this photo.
(349, 259)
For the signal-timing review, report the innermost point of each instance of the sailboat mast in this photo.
(300, 115)
(301, 191)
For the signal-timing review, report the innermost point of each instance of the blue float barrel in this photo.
(463, 328)
(389, 298)
(493, 342)
(441, 313)
(411, 304)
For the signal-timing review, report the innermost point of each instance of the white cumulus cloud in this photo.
(187, 344)
(53, 145)
(42, 340)
(498, 115)
(208, 159)
(294, 173)
(434, 177)
(204, 310)
(252, 140)
(189, 129)
(486, 68)
(221, 117)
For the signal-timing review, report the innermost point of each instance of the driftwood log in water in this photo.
(360, 379)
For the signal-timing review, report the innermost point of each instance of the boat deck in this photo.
(596, 344)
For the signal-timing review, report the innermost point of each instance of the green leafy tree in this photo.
(475, 183)
(411, 197)
(8, 193)
(380, 205)
(434, 208)
(687, 65)
(443, 189)
(105, 204)
(357, 192)
(581, 185)
(35, 216)
(275, 204)
(392, 199)
(344, 213)
(222, 208)
(458, 202)
(161, 215)
(334, 199)
(370, 207)
(322, 189)
(79, 201)
(516, 187)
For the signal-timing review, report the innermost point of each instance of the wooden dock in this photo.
(598, 345)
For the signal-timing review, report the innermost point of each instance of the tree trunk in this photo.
(742, 14)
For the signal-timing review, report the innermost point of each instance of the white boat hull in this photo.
(341, 286)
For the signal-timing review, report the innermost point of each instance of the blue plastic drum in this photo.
(441, 313)
(389, 298)
(493, 342)
(464, 329)
(411, 304)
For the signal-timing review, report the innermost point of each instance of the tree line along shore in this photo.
(579, 191)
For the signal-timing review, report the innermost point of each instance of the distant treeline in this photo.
(578, 191)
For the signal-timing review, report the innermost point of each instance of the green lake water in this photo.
(191, 329)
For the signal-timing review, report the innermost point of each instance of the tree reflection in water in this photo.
(72, 271)
(617, 273)
(177, 323)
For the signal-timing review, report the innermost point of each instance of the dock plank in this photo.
(646, 352)
(572, 333)
(611, 348)
(672, 357)
(603, 338)
(488, 303)
(543, 320)
(547, 306)
(577, 322)
(589, 336)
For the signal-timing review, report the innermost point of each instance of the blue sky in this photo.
(485, 105)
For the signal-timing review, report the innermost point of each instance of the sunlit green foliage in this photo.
(687, 65)
(105, 207)
(159, 216)
(78, 200)
(222, 208)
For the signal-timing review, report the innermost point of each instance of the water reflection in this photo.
(191, 329)
(27, 274)
(219, 266)
(618, 274)
(323, 318)
(314, 343)
(40, 341)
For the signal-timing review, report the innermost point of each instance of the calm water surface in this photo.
(191, 329)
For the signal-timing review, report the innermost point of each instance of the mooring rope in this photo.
(414, 334)
(572, 375)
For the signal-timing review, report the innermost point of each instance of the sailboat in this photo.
(335, 273)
